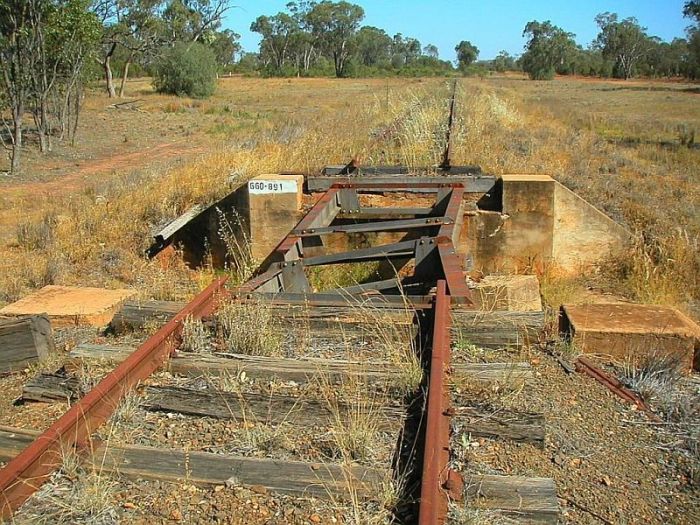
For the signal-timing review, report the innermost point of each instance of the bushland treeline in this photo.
(328, 38)
(49, 49)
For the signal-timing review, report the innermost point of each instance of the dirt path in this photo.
(78, 176)
(22, 199)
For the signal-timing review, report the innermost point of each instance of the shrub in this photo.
(186, 69)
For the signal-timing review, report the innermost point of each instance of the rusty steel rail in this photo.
(438, 481)
(24, 474)
(447, 155)
(586, 366)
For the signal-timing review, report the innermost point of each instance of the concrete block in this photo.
(273, 207)
(532, 221)
(68, 305)
(582, 234)
(631, 332)
(528, 201)
(515, 293)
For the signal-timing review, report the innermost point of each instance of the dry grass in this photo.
(558, 288)
(623, 147)
(80, 493)
(659, 377)
(241, 264)
(354, 409)
(461, 514)
(322, 278)
(95, 232)
(654, 373)
(195, 336)
(394, 342)
(250, 328)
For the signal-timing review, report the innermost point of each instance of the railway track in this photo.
(418, 288)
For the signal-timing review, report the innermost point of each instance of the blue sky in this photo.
(490, 25)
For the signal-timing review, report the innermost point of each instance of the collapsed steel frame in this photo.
(436, 281)
(431, 235)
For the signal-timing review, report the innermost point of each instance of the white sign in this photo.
(259, 186)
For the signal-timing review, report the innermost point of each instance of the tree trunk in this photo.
(42, 125)
(17, 142)
(108, 77)
(107, 66)
(125, 74)
(76, 114)
(338, 64)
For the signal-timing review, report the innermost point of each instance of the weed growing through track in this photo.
(79, 493)
(195, 336)
(354, 410)
(250, 328)
(659, 378)
(240, 262)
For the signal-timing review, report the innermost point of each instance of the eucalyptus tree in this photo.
(335, 25)
(548, 49)
(277, 36)
(373, 46)
(624, 42)
(43, 47)
(467, 53)
(431, 50)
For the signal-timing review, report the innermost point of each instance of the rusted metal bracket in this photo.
(430, 239)
(586, 366)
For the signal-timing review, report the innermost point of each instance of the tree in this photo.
(43, 46)
(110, 14)
(467, 53)
(189, 20)
(503, 62)
(692, 10)
(373, 46)
(692, 62)
(303, 43)
(187, 68)
(624, 42)
(65, 34)
(140, 32)
(15, 62)
(664, 59)
(411, 50)
(276, 32)
(248, 63)
(548, 47)
(335, 25)
(431, 51)
(226, 46)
